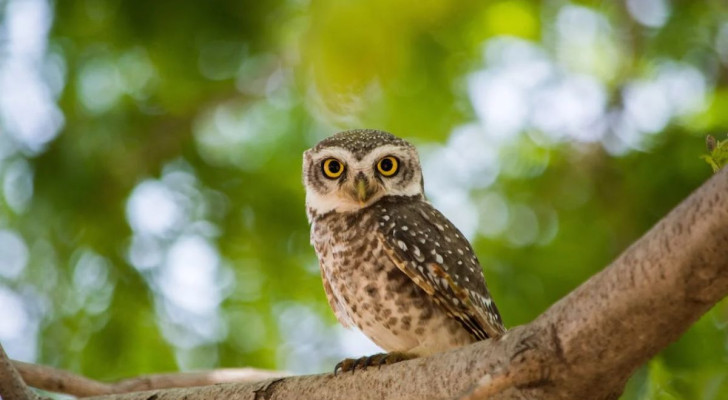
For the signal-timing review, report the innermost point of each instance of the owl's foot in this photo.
(351, 364)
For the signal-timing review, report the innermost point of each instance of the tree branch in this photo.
(12, 386)
(60, 381)
(584, 346)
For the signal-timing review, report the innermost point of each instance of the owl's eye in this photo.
(388, 166)
(332, 168)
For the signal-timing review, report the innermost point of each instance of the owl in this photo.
(391, 264)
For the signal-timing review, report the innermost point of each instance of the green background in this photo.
(151, 212)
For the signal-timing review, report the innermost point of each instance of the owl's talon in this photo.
(394, 357)
(344, 365)
(372, 360)
(367, 361)
(356, 362)
(381, 361)
(350, 364)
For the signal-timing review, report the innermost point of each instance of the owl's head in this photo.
(354, 169)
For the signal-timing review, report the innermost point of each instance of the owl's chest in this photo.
(365, 287)
(350, 253)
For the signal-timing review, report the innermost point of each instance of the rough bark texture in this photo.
(12, 386)
(584, 347)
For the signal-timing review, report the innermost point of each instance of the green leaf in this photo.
(718, 156)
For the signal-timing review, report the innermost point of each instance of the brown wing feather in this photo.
(434, 254)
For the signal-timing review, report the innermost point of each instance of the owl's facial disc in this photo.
(341, 180)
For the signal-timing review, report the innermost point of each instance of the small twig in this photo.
(60, 381)
(12, 386)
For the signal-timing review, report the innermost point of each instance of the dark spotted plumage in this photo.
(391, 264)
(435, 255)
(360, 141)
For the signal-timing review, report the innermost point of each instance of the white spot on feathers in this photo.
(417, 254)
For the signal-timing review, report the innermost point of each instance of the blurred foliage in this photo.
(160, 225)
(717, 156)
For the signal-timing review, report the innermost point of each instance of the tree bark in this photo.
(12, 386)
(583, 347)
(59, 381)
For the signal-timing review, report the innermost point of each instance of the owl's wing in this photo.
(432, 252)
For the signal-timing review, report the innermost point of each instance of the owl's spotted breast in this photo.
(367, 288)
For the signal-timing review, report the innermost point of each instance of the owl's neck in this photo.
(317, 214)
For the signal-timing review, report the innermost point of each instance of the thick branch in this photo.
(12, 386)
(648, 297)
(56, 380)
(584, 346)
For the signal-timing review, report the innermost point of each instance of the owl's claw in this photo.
(367, 361)
(344, 365)
(395, 357)
(350, 364)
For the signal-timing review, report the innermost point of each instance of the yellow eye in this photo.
(332, 167)
(388, 166)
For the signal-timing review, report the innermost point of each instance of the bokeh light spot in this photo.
(13, 254)
(17, 185)
(652, 13)
(152, 209)
(99, 85)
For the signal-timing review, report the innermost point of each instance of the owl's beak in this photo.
(364, 191)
